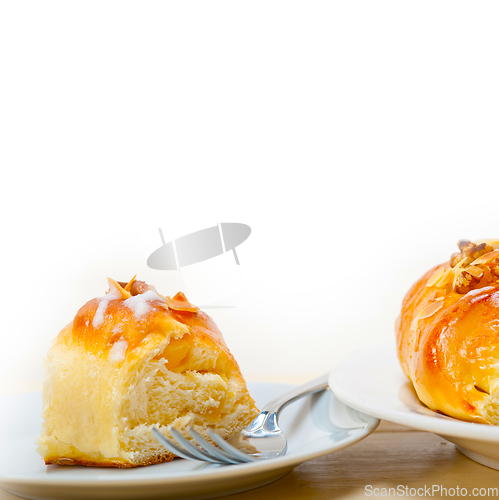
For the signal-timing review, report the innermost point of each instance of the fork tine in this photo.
(192, 448)
(231, 450)
(222, 455)
(171, 447)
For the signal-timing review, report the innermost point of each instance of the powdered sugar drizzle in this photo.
(140, 304)
(117, 352)
(113, 294)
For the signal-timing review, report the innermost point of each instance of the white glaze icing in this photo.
(140, 304)
(117, 352)
(113, 294)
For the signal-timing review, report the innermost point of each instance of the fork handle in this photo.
(279, 403)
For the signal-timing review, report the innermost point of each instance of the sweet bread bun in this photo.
(448, 334)
(129, 360)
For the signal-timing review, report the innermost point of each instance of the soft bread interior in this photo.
(98, 408)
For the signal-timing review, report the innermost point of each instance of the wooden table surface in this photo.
(391, 457)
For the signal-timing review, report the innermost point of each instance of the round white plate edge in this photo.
(437, 425)
(224, 472)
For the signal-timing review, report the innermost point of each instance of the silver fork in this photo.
(262, 435)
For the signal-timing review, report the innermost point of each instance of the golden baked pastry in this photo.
(129, 360)
(448, 334)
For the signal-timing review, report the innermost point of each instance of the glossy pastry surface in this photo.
(448, 334)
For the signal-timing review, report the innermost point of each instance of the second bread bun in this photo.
(448, 334)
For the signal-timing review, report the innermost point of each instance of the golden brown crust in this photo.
(122, 324)
(448, 342)
(160, 459)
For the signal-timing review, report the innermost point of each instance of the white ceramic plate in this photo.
(372, 382)
(315, 426)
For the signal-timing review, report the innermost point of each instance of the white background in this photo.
(359, 140)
